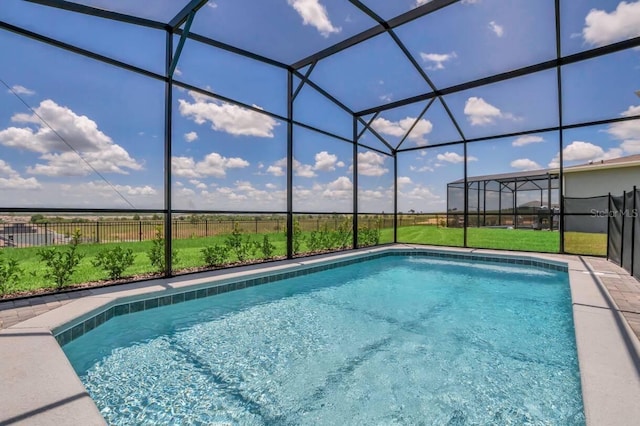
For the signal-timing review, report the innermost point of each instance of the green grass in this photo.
(506, 239)
(583, 243)
(189, 250)
(494, 238)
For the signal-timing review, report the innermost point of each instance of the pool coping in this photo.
(42, 387)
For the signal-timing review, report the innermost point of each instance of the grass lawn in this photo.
(507, 239)
(583, 243)
(190, 256)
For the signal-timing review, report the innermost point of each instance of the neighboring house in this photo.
(602, 177)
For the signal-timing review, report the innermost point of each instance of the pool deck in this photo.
(39, 386)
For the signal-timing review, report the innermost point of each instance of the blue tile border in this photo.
(72, 332)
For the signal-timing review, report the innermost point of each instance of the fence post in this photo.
(624, 206)
(97, 231)
(206, 228)
(140, 230)
(46, 234)
(256, 220)
(633, 227)
(608, 223)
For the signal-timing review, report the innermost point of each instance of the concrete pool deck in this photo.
(39, 386)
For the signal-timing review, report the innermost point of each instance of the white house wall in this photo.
(591, 183)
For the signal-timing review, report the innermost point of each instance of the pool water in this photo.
(396, 340)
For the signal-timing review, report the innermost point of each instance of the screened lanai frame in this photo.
(543, 182)
(179, 26)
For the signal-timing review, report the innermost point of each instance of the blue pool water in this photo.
(397, 340)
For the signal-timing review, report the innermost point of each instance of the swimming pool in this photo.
(392, 340)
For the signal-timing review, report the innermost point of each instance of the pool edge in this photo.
(604, 398)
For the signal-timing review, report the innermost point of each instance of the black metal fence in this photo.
(623, 243)
(53, 233)
(21, 234)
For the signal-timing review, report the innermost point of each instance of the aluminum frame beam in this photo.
(416, 13)
(101, 13)
(181, 17)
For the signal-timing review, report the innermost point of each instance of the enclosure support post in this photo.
(290, 230)
(500, 204)
(608, 223)
(549, 206)
(633, 227)
(395, 196)
(484, 203)
(168, 246)
(624, 208)
(355, 182)
(466, 198)
(515, 204)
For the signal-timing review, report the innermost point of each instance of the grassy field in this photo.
(506, 239)
(189, 249)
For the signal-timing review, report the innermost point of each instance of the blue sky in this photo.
(226, 157)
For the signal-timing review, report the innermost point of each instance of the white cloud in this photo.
(325, 162)
(526, 140)
(437, 59)
(184, 167)
(403, 181)
(315, 14)
(480, 113)
(102, 188)
(275, 170)
(583, 152)
(420, 192)
(271, 186)
(497, 29)
(370, 164)
(452, 157)
(525, 164)
(190, 137)
(628, 131)
(177, 72)
(212, 165)
(341, 188)
(198, 184)
(299, 169)
(21, 90)
(226, 117)
(603, 28)
(80, 132)
(303, 170)
(401, 127)
(424, 169)
(11, 179)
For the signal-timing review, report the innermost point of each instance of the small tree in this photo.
(156, 252)
(267, 248)
(9, 274)
(114, 261)
(37, 218)
(215, 255)
(61, 263)
(243, 248)
(297, 237)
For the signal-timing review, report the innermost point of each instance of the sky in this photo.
(75, 132)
